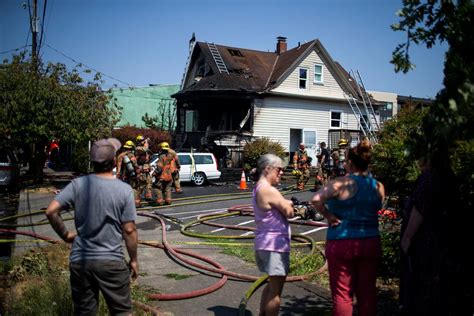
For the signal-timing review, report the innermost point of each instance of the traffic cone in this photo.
(243, 183)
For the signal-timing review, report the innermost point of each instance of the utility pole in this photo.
(34, 32)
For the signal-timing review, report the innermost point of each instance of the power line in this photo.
(16, 49)
(42, 25)
(79, 63)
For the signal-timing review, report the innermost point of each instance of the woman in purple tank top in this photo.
(273, 234)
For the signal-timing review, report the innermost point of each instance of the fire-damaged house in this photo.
(230, 96)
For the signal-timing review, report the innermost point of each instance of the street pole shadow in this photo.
(227, 311)
(306, 305)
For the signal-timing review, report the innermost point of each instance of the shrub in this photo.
(259, 147)
(131, 132)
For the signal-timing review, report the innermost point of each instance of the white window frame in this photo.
(340, 119)
(316, 73)
(305, 79)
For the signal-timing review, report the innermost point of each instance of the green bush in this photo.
(259, 147)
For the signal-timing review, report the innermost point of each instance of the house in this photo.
(154, 100)
(229, 96)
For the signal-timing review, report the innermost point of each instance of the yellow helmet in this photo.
(296, 172)
(165, 146)
(139, 138)
(129, 144)
(342, 142)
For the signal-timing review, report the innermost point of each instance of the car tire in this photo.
(199, 178)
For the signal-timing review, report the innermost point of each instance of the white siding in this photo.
(275, 116)
(329, 89)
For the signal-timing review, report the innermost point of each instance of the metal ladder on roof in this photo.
(367, 103)
(364, 126)
(368, 121)
(217, 58)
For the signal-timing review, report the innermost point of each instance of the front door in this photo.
(309, 139)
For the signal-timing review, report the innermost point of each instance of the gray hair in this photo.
(267, 160)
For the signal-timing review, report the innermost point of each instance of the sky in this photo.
(141, 42)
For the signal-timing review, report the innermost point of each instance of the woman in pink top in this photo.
(272, 238)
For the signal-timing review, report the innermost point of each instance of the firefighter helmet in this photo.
(140, 138)
(296, 172)
(342, 142)
(165, 146)
(129, 144)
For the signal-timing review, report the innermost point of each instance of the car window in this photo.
(184, 159)
(203, 160)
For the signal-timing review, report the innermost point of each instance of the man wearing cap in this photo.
(104, 214)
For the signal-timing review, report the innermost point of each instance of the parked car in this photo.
(9, 169)
(195, 167)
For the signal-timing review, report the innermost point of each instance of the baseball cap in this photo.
(104, 149)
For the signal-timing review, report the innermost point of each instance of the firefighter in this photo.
(143, 154)
(128, 169)
(341, 157)
(165, 167)
(165, 148)
(323, 166)
(301, 164)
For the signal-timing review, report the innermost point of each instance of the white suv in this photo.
(195, 167)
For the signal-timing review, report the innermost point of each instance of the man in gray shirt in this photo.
(104, 215)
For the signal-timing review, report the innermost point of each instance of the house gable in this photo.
(329, 84)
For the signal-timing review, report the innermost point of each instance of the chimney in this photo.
(281, 45)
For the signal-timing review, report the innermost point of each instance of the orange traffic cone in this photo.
(243, 183)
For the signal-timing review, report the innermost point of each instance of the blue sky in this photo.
(146, 42)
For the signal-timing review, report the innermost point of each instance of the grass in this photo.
(300, 262)
(177, 276)
(39, 284)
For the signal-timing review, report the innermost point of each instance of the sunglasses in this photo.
(279, 169)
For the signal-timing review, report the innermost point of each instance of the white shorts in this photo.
(273, 263)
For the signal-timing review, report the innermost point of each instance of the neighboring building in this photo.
(388, 105)
(413, 102)
(154, 100)
(230, 96)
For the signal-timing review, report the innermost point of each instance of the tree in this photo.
(165, 120)
(50, 102)
(451, 116)
(447, 129)
(449, 124)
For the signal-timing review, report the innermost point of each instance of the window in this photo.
(336, 119)
(389, 105)
(318, 73)
(191, 123)
(364, 122)
(184, 159)
(203, 159)
(303, 77)
(235, 52)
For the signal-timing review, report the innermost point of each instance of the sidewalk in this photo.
(157, 269)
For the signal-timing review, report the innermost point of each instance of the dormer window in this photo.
(235, 52)
(318, 74)
(303, 78)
